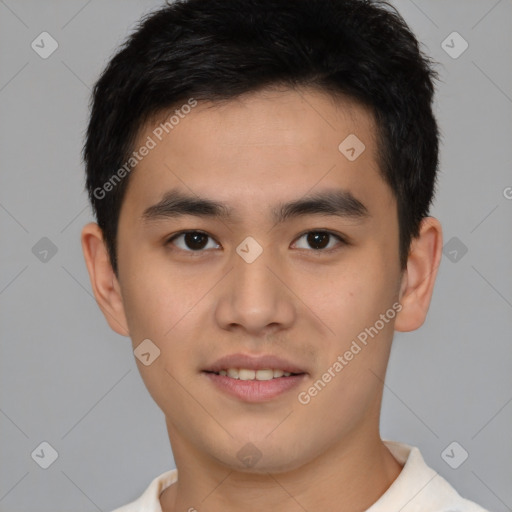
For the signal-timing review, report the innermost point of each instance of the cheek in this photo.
(151, 293)
(347, 297)
(142, 304)
(352, 305)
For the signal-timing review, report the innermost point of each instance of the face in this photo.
(294, 263)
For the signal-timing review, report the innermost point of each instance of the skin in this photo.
(293, 301)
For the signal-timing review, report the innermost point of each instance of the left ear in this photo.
(419, 277)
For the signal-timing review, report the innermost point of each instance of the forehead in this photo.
(298, 119)
(272, 144)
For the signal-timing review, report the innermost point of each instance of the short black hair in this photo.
(218, 50)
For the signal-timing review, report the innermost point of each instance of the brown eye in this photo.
(319, 240)
(191, 241)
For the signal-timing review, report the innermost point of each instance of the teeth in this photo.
(233, 373)
(246, 374)
(264, 375)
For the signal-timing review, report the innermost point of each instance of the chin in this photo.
(262, 457)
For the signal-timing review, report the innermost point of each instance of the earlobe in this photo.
(103, 279)
(418, 279)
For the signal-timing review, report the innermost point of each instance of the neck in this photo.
(351, 476)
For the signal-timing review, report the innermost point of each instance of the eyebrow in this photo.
(339, 202)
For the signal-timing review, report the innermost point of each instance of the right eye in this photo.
(190, 241)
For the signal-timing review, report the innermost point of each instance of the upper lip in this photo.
(252, 362)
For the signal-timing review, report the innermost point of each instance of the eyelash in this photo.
(341, 239)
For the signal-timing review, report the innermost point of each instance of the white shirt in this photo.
(418, 488)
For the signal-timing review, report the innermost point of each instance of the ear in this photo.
(104, 282)
(419, 277)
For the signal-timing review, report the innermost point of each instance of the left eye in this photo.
(319, 240)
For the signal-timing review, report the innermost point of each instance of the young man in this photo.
(261, 172)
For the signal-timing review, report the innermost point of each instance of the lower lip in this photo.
(255, 390)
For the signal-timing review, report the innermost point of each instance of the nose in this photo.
(255, 297)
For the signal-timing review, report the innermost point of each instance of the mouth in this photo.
(248, 374)
(254, 379)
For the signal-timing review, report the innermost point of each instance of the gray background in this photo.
(67, 379)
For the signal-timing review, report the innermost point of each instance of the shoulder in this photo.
(418, 487)
(149, 500)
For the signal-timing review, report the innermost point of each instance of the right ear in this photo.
(104, 282)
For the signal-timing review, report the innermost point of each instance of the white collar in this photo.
(416, 489)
